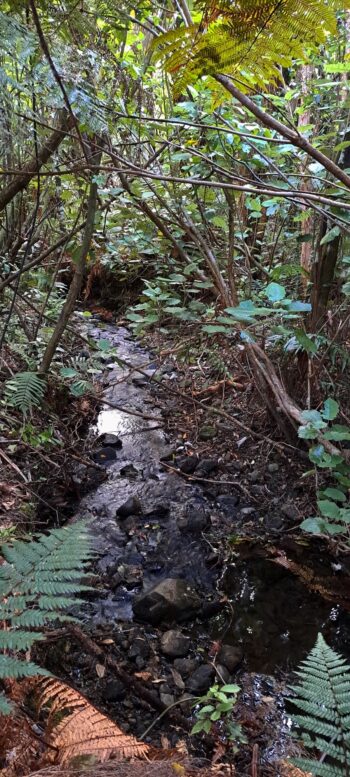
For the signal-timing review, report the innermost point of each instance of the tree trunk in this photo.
(78, 277)
(24, 176)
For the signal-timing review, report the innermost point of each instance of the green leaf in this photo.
(305, 341)
(68, 372)
(328, 509)
(275, 292)
(330, 235)
(215, 329)
(335, 494)
(230, 688)
(330, 409)
(313, 525)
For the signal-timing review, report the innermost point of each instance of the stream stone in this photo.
(185, 666)
(187, 464)
(207, 432)
(201, 679)
(139, 649)
(230, 656)
(206, 467)
(104, 455)
(129, 471)
(195, 519)
(171, 599)
(111, 440)
(132, 506)
(174, 644)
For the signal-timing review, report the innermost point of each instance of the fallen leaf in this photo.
(100, 670)
(165, 742)
(143, 675)
(107, 642)
(177, 679)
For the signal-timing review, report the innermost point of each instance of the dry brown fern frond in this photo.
(75, 727)
(289, 770)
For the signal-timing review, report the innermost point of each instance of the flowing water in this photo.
(274, 617)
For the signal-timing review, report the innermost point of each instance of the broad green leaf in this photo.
(328, 509)
(275, 292)
(330, 235)
(314, 525)
(335, 494)
(68, 372)
(305, 341)
(330, 409)
(230, 688)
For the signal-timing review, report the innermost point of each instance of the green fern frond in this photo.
(38, 580)
(5, 706)
(324, 695)
(25, 390)
(254, 37)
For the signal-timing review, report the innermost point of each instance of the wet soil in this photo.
(149, 523)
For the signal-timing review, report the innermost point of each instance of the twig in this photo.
(208, 480)
(13, 465)
(255, 761)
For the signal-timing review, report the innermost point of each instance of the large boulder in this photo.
(172, 599)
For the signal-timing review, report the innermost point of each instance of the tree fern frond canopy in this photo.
(249, 40)
(323, 696)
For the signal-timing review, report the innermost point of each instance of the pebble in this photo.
(228, 503)
(274, 467)
(132, 506)
(110, 439)
(185, 666)
(206, 467)
(201, 679)
(290, 511)
(174, 644)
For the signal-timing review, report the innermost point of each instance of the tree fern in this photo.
(249, 39)
(39, 580)
(25, 390)
(323, 696)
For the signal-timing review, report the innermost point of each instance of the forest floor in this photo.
(185, 479)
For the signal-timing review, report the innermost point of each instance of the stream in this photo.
(149, 524)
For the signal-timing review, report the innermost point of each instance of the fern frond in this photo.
(324, 693)
(25, 390)
(13, 667)
(83, 729)
(248, 36)
(38, 580)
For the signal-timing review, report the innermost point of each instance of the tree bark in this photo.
(78, 277)
(24, 176)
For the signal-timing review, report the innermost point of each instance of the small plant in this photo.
(332, 503)
(323, 698)
(218, 705)
(39, 579)
(25, 391)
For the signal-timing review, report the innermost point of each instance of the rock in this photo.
(171, 599)
(230, 656)
(207, 432)
(160, 510)
(130, 574)
(104, 455)
(228, 504)
(274, 467)
(290, 511)
(114, 691)
(139, 649)
(185, 666)
(205, 467)
(201, 679)
(129, 471)
(223, 675)
(195, 519)
(187, 464)
(132, 506)
(174, 644)
(112, 440)
(167, 699)
(247, 511)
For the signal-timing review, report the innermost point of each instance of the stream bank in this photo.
(185, 594)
